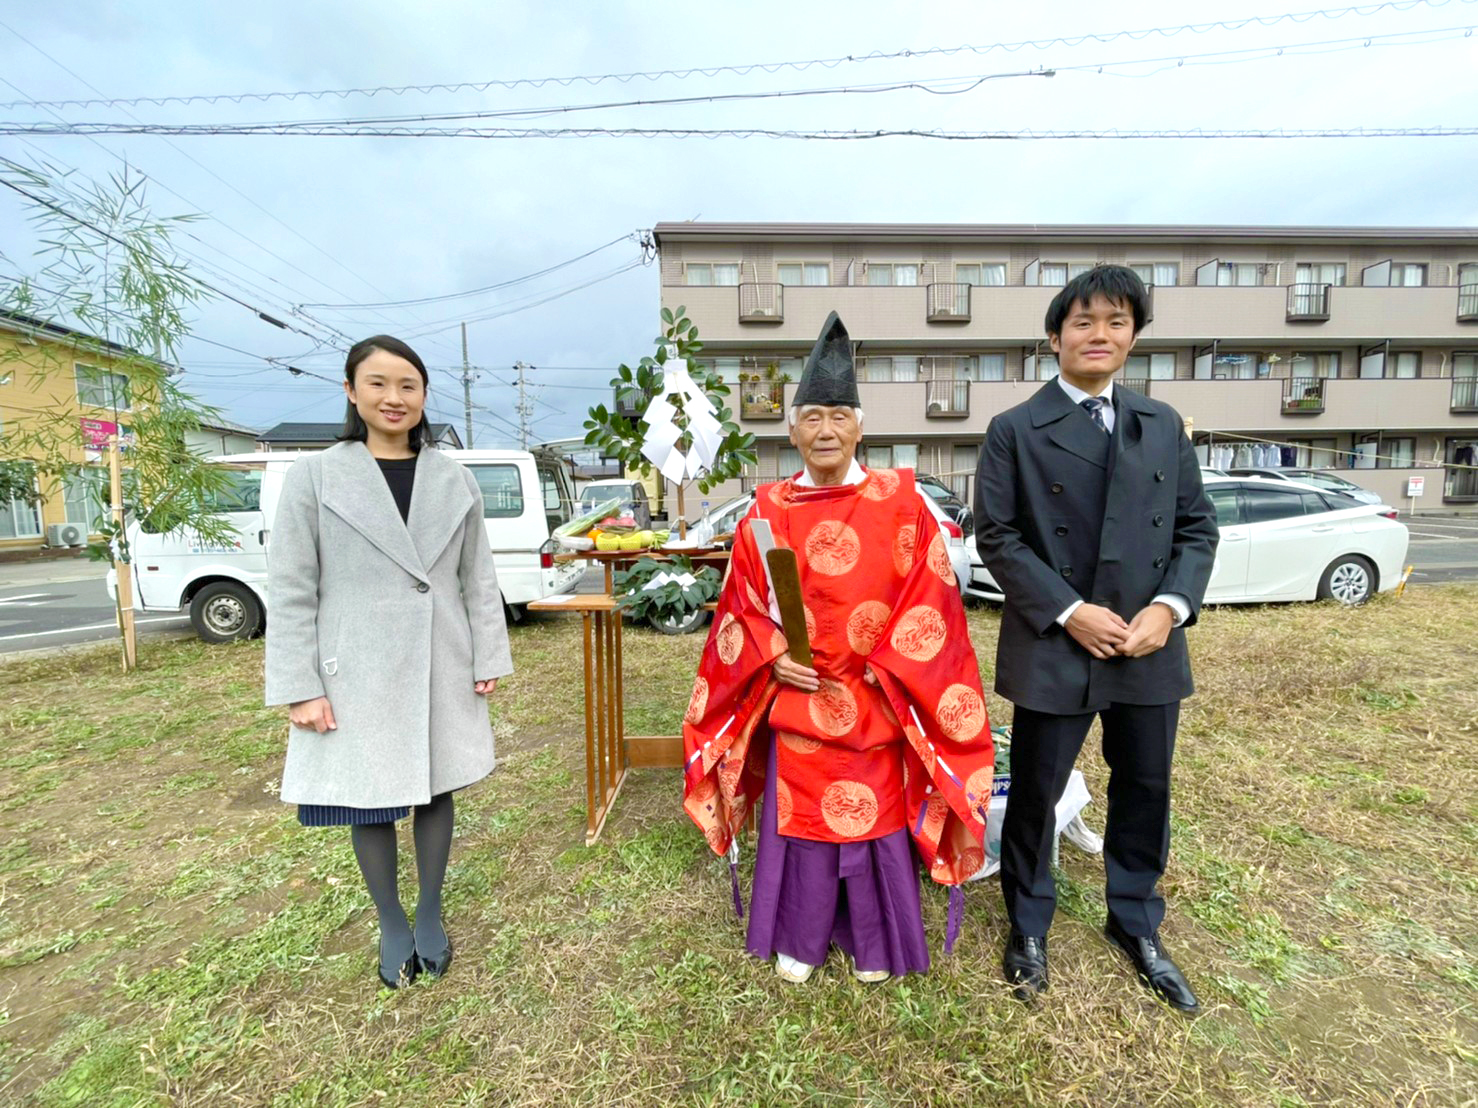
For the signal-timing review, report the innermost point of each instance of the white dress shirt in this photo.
(1179, 606)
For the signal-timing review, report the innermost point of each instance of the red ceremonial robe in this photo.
(855, 761)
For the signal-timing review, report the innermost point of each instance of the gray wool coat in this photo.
(392, 621)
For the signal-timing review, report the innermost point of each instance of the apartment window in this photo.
(992, 274)
(1153, 367)
(712, 273)
(100, 389)
(1060, 273)
(1158, 273)
(895, 367)
(19, 520)
(1314, 453)
(1409, 275)
(1396, 454)
(1238, 367)
(892, 273)
(727, 369)
(963, 461)
(988, 367)
(1404, 364)
(1462, 484)
(1465, 364)
(804, 273)
(897, 456)
(1239, 273)
(1324, 273)
(1325, 364)
(1046, 366)
(80, 497)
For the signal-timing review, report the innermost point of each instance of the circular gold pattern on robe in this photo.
(784, 806)
(936, 808)
(704, 790)
(977, 792)
(755, 598)
(730, 639)
(849, 808)
(810, 623)
(903, 544)
(799, 743)
(970, 861)
(780, 493)
(961, 712)
(891, 716)
(938, 558)
(716, 839)
(865, 626)
(698, 703)
(920, 634)
(728, 776)
(832, 548)
(833, 708)
(778, 645)
(881, 484)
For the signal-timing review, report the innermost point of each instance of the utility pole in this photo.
(466, 386)
(525, 409)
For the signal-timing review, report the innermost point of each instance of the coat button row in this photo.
(1158, 521)
(1159, 475)
(1067, 571)
(1062, 530)
(1056, 486)
(421, 586)
(1159, 563)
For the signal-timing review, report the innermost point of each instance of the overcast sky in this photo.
(352, 220)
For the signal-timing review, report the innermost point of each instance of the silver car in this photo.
(1320, 478)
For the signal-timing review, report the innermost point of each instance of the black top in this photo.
(400, 475)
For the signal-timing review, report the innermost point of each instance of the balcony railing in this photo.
(1464, 394)
(1308, 303)
(762, 399)
(1467, 303)
(631, 401)
(1140, 385)
(949, 303)
(946, 399)
(762, 303)
(1303, 396)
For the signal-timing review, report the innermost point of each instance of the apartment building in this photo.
(1350, 348)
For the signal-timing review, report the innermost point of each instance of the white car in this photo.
(1320, 479)
(1282, 540)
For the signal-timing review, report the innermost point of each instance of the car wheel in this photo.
(680, 625)
(1350, 580)
(225, 611)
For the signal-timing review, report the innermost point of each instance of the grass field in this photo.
(168, 934)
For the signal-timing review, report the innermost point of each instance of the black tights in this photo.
(375, 850)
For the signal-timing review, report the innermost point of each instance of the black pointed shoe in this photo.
(1025, 964)
(408, 971)
(1159, 974)
(437, 966)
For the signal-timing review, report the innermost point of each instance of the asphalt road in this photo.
(42, 613)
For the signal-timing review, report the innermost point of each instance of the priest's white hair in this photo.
(796, 411)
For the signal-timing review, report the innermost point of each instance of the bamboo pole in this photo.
(123, 569)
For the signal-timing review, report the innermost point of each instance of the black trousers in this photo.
(1138, 743)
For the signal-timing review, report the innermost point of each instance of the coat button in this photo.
(1159, 563)
(1159, 475)
(1158, 521)
(1062, 530)
(1056, 486)
(421, 586)
(1067, 571)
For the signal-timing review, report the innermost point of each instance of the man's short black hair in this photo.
(1117, 284)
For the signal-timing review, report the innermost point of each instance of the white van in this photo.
(525, 496)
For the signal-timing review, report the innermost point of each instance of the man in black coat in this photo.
(1092, 518)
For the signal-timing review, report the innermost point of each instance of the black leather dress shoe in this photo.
(438, 965)
(408, 971)
(1025, 964)
(1156, 970)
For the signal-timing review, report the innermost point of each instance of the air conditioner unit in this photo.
(66, 534)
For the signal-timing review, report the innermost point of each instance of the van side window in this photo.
(242, 492)
(502, 492)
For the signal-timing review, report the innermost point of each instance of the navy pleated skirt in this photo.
(337, 815)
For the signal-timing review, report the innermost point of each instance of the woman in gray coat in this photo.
(386, 637)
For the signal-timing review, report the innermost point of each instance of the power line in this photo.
(750, 67)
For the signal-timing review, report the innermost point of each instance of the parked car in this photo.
(982, 585)
(633, 499)
(525, 496)
(1319, 478)
(945, 497)
(1283, 540)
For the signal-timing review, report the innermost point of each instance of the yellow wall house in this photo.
(47, 370)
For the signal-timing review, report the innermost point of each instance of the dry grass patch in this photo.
(169, 935)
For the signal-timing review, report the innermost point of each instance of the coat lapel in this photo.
(440, 500)
(1050, 406)
(354, 489)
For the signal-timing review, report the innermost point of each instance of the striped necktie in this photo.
(1094, 407)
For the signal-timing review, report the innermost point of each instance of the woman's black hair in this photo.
(354, 428)
(1117, 284)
